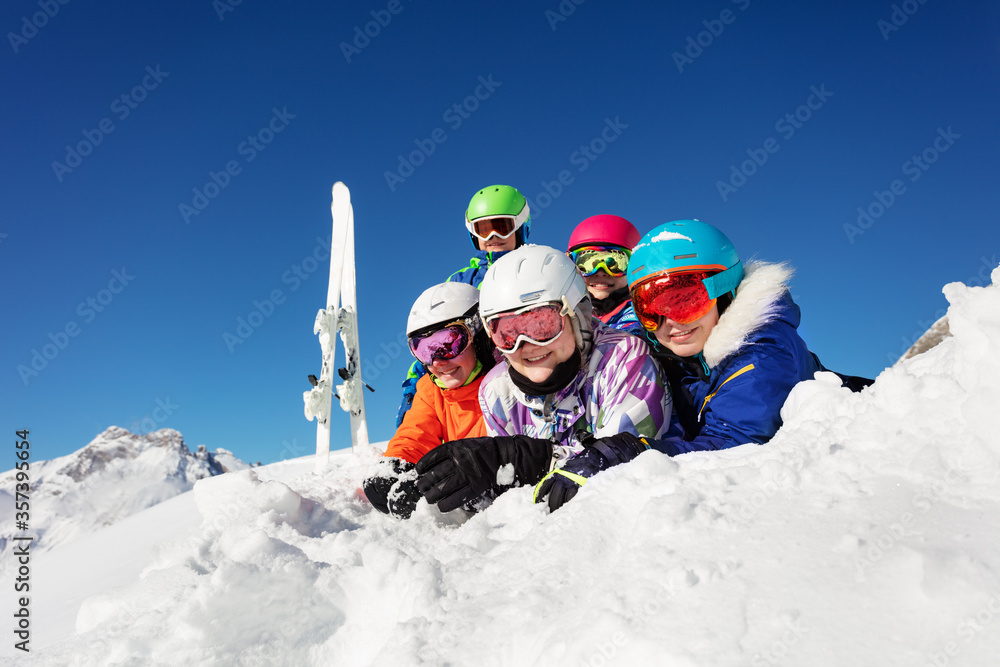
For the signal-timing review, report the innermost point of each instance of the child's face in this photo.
(454, 372)
(600, 284)
(536, 362)
(687, 340)
(497, 244)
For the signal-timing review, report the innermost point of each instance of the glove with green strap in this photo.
(562, 484)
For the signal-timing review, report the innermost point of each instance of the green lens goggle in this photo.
(591, 259)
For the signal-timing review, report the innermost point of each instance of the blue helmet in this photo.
(687, 245)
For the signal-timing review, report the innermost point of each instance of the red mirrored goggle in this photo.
(502, 226)
(442, 344)
(681, 297)
(540, 325)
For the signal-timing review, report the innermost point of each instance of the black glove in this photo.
(461, 471)
(393, 489)
(561, 484)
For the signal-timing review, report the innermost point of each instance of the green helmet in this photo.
(499, 201)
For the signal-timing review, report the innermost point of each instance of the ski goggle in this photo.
(591, 259)
(539, 325)
(681, 297)
(441, 344)
(502, 226)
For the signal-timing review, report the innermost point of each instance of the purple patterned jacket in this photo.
(619, 389)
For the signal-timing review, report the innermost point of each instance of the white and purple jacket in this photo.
(619, 389)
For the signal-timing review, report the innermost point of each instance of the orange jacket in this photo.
(438, 416)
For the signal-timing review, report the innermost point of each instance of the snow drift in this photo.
(866, 532)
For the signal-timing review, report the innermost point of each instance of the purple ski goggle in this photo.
(441, 344)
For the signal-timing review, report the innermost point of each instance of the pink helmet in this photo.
(605, 230)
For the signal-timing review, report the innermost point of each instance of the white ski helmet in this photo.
(442, 304)
(528, 275)
(537, 274)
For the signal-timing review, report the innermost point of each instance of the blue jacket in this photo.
(732, 392)
(623, 317)
(472, 274)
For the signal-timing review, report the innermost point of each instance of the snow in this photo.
(866, 532)
(664, 236)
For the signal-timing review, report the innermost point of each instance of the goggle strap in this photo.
(724, 281)
(574, 323)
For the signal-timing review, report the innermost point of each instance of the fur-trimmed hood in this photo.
(762, 297)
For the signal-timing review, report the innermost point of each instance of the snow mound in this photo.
(866, 532)
(118, 474)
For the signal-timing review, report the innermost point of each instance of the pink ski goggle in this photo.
(539, 325)
(441, 344)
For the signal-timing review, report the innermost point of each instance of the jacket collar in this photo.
(758, 301)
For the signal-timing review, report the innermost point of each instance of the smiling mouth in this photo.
(681, 334)
(532, 360)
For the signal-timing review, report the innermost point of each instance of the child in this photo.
(448, 340)
(498, 220)
(726, 335)
(567, 380)
(601, 246)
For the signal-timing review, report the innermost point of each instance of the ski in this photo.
(339, 317)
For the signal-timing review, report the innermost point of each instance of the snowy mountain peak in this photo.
(117, 444)
(116, 475)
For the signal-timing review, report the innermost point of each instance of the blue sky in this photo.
(167, 170)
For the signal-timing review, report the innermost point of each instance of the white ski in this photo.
(340, 315)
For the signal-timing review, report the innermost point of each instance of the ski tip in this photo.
(339, 185)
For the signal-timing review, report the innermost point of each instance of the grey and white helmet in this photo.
(442, 304)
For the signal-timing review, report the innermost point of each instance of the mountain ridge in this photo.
(115, 475)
